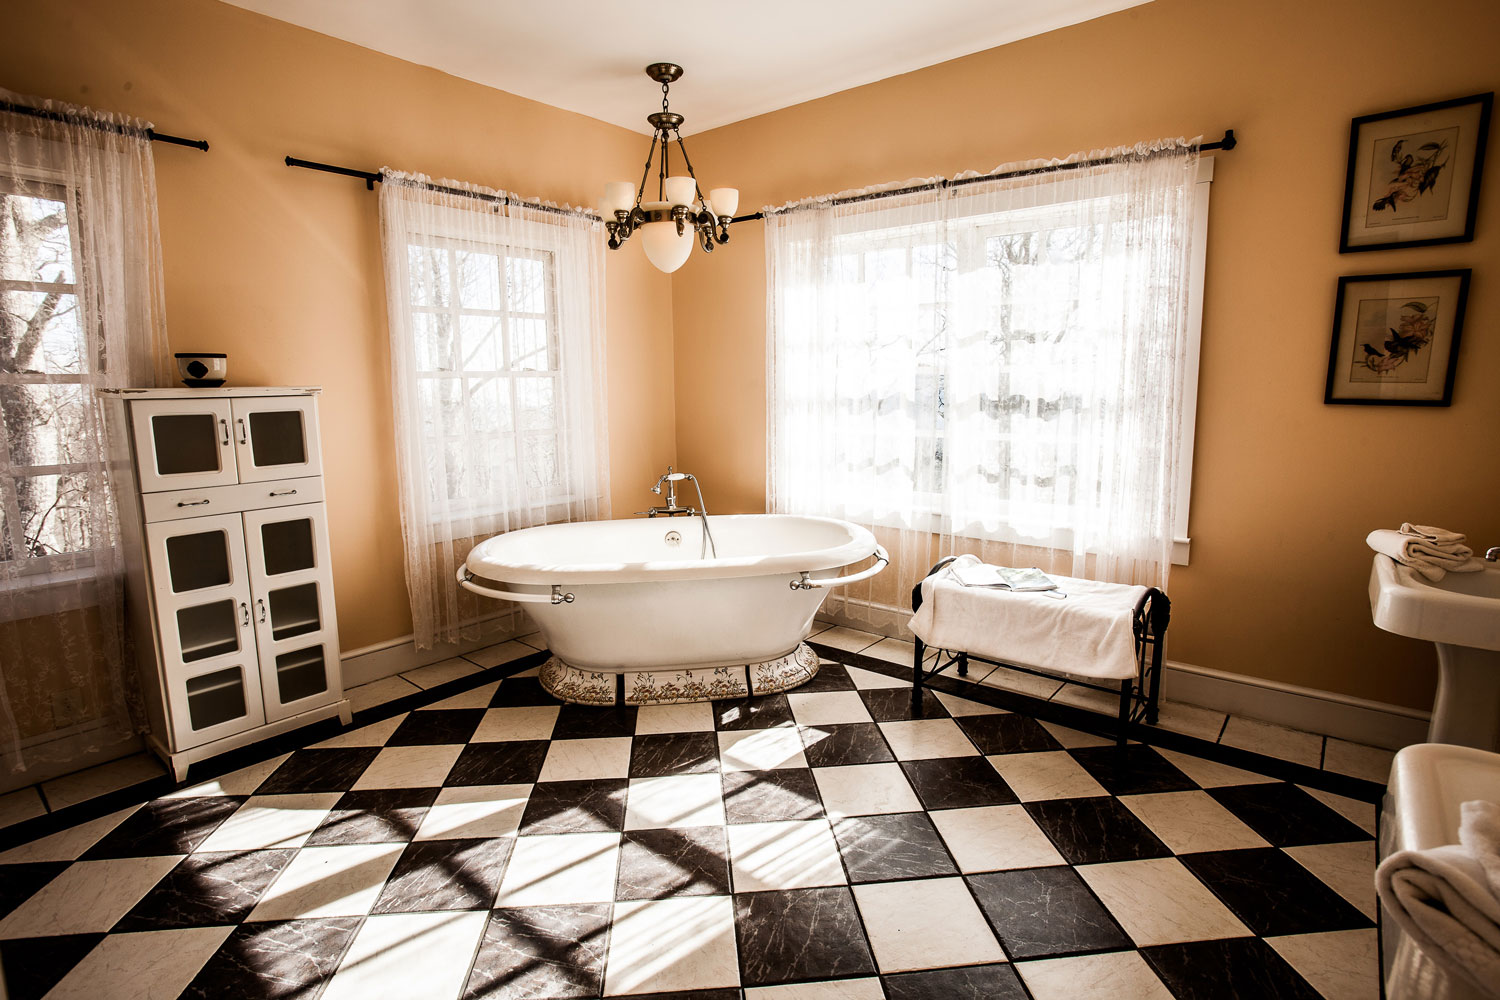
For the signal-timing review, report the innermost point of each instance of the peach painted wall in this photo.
(280, 268)
(1284, 487)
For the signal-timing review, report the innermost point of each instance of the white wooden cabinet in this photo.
(229, 585)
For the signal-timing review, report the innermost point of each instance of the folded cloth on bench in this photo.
(1088, 633)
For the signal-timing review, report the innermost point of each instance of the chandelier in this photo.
(679, 213)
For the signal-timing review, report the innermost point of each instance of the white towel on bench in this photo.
(1087, 634)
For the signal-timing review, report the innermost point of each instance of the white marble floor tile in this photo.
(533, 639)
(368, 696)
(500, 652)
(923, 739)
(1121, 975)
(1273, 741)
(88, 897)
(409, 955)
(1074, 738)
(1190, 720)
(410, 767)
(828, 708)
(761, 749)
(478, 697)
(20, 805)
(1347, 869)
(373, 735)
(1189, 822)
(561, 868)
(850, 639)
(994, 838)
(1210, 773)
(1048, 775)
(869, 680)
(154, 965)
(675, 801)
(66, 845)
(925, 924)
(241, 782)
(525, 722)
(1361, 814)
(672, 945)
(329, 882)
(1015, 680)
(865, 789)
(1102, 702)
(1354, 759)
(795, 854)
(693, 717)
(474, 811)
(264, 821)
(80, 786)
(440, 672)
(579, 760)
(957, 706)
(838, 989)
(1160, 902)
(1341, 965)
(897, 651)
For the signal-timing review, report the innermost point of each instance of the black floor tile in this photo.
(595, 805)
(1233, 967)
(658, 864)
(892, 846)
(579, 722)
(661, 754)
(374, 816)
(280, 959)
(206, 889)
(1007, 733)
(510, 763)
(852, 743)
(831, 676)
(541, 951)
(1094, 830)
(799, 934)
(432, 727)
(332, 770)
(445, 875)
(1040, 912)
(514, 692)
(768, 796)
(1271, 893)
(957, 783)
(32, 966)
(1132, 770)
(971, 982)
(897, 705)
(1286, 815)
(18, 883)
(165, 826)
(761, 712)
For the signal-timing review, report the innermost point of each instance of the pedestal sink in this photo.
(1461, 616)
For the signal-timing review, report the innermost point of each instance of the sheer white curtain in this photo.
(496, 318)
(992, 367)
(80, 275)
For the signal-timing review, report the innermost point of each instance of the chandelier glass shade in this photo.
(680, 214)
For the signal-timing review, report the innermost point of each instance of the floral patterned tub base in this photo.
(671, 685)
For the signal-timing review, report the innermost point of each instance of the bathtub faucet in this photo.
(672, 510)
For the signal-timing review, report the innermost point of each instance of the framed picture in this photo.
(1414, 175)
(1395, 338)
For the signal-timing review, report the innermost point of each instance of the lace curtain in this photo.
(992, 367)
(80, 273)
(496, 319)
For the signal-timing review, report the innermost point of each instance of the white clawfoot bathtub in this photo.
(630, 611)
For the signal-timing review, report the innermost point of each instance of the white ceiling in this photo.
(742, 57)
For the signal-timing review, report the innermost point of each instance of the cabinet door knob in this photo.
(260, 602)
(224, 426)
(244, 615)
(244, 439)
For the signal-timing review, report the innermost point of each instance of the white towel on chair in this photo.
(1088, 633)
(1434, 560)
(1445, 898)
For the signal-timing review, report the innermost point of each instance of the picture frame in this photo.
(1413, 176)
(1395, 338)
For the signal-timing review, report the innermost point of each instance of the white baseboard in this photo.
(396, 656)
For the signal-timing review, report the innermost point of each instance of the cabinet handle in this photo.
(224, 426)
(193, 503)
(260, 602)
(244, 615)
(283, 493)
(243, 438)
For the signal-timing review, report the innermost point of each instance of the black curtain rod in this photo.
(371, 177)
(1226, 143)
(58, 116)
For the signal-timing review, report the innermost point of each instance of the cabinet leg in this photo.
(345, 715)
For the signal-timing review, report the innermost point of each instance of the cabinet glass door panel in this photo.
(208, 630)
(301, 674)
(287, 546)
(198, 560)
(210, 702)
(183, 443)
(294, 611)
(216, 698)
(276, 437)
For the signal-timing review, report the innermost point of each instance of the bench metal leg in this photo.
(1127, 688)
(916, 669)
(963, 664)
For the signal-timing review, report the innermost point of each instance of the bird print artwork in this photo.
(1415, 323)
(1411, 180)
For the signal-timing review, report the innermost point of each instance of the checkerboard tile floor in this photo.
(832, 842)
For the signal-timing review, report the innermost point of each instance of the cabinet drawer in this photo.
(223, 499)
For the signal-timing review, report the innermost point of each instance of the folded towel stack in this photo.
(1448, 898)
(1433, 552)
